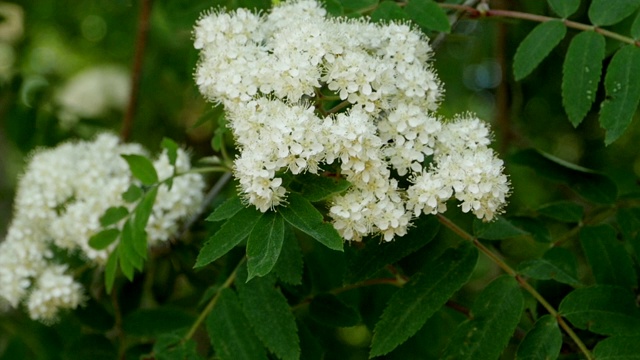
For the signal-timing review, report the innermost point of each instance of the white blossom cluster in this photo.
(59, 201)
(305, 92)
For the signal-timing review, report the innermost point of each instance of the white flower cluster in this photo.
(303, 91)
(59, 202)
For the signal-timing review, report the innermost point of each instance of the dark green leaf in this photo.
(110, 270)
(537, 46)
(227, 209)
(289, 265)
(581, 74)
(310, 346)
(317, 188)
(557, 263)
(629, 222)
(495, 315)
(230, 331)
(271, 317)
(172, 346)
(565, 211)
(153, 322)
(334, 7)
(564, 8)
(113, 215)
(357, 5)
(132, 194)
(92, 346)
(411, 306)
(104, 238)
(142, 168)
(300, 213)
(328, 310)
(543, 342)
(635, 27)
(389, 11)
(264, 244)
(603, 309)
(228, 236)
(618, 348)
(609, 261)
(376, 256)
(172, 150)
(607, 12)
(428, 15)
(534, 227)
(622, 84)
(499, 229)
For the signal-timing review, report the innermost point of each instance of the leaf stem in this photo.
(523, 283)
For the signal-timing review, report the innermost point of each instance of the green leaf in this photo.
(142, 168)
(426, 292)
(317, 188)
(618, 348)
(602, 309)
(304, 216)
(499, 229)
(230, 331)
(389, 11)
(228, 236)
(84, 346)
(172, 150)
(609, 261)
(564, 8)
(537, 46)
(589, 184)
(132, 194)
(581, 74)
(607, 12)
(110, 270)
(428, 15)
(271, 317)
(153, 322)
(622, 85)
(227, 209)
(113, 215)
(290, 263)
(130, 253)
(635, 27)
(543, 342)
(536, 228)
(495, 315)
(376, 256)
(557, 263)
(565, 211)
(126, 263)
(172, 346)
(264, 244)
(328, 310)
(104, 238)
(141, 218)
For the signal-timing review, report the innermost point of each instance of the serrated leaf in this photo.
(110, 270)
(271, 317)
(607, 12)
(227, 209)
(301, 214)
(410, 307)
(533, 227)
(232, 232)
(104, 238)
(499, 229)
(581, 74)
(264, 244)
(142, 168)
(629, 221)
(317, 188)
(543, 342)
(635, 27)
(389, 11)
(622, 85)
(602, 309)
(289, 265)
(230, 331)
(153, 322)
(375, 255)
(618, 348)
(565, 211)
(113, 215)
(495, 315)
(557, 263)
(328, 310)
(428, 15)
(609, 261)
(537, 46)
(172, 150)
(564, 8)
(132, 194)
(172, 346)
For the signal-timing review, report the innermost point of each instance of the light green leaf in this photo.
(330, 311)
(495, 315)
(228, 236)
(581, 74)
(104, 238)
(317, 188)
(565, 211)
(300, 213)
(602, 309)
(264, 244)
(622, 85)
(537, 46)
(543, 342)
(113, 215)
(557, 263)
(230, 331)
(172, 150)
(608, 12)
(110, 270)
(609, 261)
(290, 264)
(389, 11)
(499, 229)
(227, 209)
(129, 252)
(142, 168)
(618, 348)
(125, 261)
(428, 15)
(132, 194)
(411, 306)
(564, 8)
(141, 218)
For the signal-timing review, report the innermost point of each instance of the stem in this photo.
(523, 283)
(339, 107)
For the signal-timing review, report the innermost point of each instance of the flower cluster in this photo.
(307, 93)
(58, 205)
